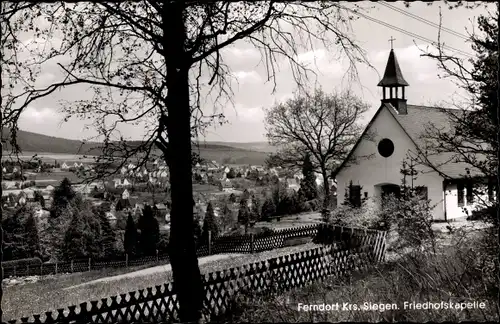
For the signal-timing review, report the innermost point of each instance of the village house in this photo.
(161, 210)
(375, 162)
(226, 185)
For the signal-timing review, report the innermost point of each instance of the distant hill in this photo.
(252, 146)
(230, 153)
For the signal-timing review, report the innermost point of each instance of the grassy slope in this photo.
(239, 153)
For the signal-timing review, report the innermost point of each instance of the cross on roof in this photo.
(392, 40)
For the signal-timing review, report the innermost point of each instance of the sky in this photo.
(245, 119)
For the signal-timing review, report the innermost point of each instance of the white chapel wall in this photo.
(380, 170)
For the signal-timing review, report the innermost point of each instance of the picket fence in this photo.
(159, 304)
(249, 243)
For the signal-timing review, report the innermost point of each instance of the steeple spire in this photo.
(393, 76)
(393, 79)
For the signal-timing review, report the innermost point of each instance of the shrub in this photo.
(411, 218)
(163, 243)
(365, 216)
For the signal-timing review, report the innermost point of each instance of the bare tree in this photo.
(151, 63)
(325, 126)
(471, 137)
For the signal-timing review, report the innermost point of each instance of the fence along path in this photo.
(223, 244)
(275, 275)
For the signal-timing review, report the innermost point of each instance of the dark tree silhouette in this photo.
(62, 195)
(308, 186)
(131, 238)
(32, 238)
(209, 224)
(268, 209)
(149, 228)
(107, 236)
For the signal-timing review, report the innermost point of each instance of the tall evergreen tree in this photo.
(256, 210)
(308, 186)
(149, 228)
(81, 239)
(14, 243)
(107, 238)
(244, 214)
(268, 209)
(226, 217)
(62, 195)
(32, 238)
(209, 224)
(130, 242)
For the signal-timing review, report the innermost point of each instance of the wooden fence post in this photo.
(27, 269)
(252, 242)
(157, 255)
(209, 242)
(41, 269)
(71, 266)
(56, 267)
(126, 260)
(14, 271)
(89, 264)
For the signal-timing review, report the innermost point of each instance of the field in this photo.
(58, 291)
(55, 176)
(50, 157)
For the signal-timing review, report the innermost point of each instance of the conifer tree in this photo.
(308, 183)
(268, 209)
(226, 217)
(32, 239)
(209, 224)
(62, 195)
(107, 238)
(81, 239)
(256, 209)
(131, 237)
(244, 214)
(149, 228)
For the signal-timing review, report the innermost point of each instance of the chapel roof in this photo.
(415, 123)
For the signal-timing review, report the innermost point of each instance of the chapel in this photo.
(395, 135)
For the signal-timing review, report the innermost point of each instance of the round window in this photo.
(386, 147)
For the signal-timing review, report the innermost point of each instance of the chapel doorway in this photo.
(389, 189)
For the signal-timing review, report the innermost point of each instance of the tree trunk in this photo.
(326, 187)
(185, 269)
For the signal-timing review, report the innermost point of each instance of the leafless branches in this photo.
(325, 126)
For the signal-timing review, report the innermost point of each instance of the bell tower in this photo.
(392, 82)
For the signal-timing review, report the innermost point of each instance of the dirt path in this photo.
(152, 270)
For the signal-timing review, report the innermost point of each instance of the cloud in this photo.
(320, 61)
(246, 76)
(39, 115)
(247, 114)
(243, 53)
